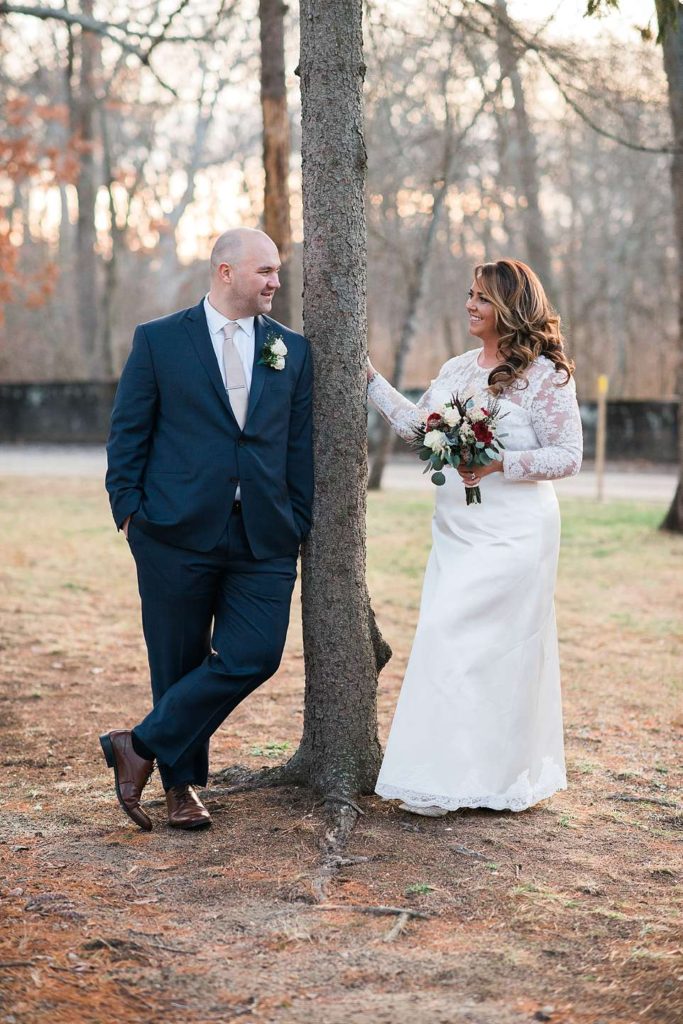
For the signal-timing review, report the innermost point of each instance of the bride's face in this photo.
(482, 316)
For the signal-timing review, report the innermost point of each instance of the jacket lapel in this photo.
(259, 370)
(197, 327)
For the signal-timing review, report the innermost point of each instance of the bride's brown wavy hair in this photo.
(527, 324)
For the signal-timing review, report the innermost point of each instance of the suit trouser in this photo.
(215, 625)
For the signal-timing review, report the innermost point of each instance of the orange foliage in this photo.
(24, 156)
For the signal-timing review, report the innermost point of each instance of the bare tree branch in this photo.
(102, 28)
(543, 53)
(122, 34)
(535, 47)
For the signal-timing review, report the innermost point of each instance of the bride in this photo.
(479, 718)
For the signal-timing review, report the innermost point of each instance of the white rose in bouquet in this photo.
(476, 415)
(452, 417)
(436, 440)
(279, 363)
(278, 348)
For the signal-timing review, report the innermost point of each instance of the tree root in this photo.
(342, 819)
(394, 932)
(626, 798)
(336, 798)
(404, 915)
(342, 813)
(466, 852)
(379, 911)
(243, 779)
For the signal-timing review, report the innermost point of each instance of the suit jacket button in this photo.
(234, 479)
(241, 442)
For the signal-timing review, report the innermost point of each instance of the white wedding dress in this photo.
(479, 718)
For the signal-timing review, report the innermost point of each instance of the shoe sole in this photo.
(109, 757)
(423, 812)
(194, 825)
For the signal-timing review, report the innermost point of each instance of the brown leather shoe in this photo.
(185, 809)
(131, 774)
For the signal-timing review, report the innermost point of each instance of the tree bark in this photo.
(276, 146)
(111, 266)
(538, 253)
(339, 751)
(672, 44)
(87, 292)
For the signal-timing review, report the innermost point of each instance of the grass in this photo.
(418, 889)
(575, 904)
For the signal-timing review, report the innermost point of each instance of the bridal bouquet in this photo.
(465, 432)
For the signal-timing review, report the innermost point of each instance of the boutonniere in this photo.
(273, 352)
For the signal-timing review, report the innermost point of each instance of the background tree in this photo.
(449, 130)
(176, 163)
(602, 136)
(670, 35)
(127, 134)
(526, 157)
(671, 29)
(276, 145)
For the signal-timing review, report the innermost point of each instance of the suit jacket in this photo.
(176, 453)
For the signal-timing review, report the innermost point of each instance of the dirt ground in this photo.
(569, 912)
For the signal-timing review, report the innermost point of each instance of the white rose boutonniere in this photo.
(273, 352)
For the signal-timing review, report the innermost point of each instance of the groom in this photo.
(210, 478)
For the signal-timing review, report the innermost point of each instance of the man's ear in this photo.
(226, 273)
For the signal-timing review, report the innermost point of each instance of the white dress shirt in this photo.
(244, 339)
(244, 342)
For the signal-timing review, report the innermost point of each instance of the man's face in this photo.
(253, 279)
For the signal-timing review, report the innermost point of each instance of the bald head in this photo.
(244, 272)
(231, 246)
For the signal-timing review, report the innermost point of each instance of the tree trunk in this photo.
(276, 216)
(111, 266)
(339, 751)
(87, 291)
(538, 253)
(673, 65)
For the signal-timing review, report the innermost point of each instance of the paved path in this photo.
(403, 473)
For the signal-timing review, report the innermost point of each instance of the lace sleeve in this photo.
(557, 424)
(403, 415)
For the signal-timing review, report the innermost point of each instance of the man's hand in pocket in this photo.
(124, 526)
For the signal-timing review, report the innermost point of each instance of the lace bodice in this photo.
(543, 426)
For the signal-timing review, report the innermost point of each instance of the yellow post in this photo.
(601, 435)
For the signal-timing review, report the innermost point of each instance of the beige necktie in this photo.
(235, 381)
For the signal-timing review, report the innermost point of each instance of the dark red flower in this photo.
(482, 432)
(434, 421)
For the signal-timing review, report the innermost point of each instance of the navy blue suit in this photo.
(215, 584)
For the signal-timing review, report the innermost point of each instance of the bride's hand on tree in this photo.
(471, 475)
